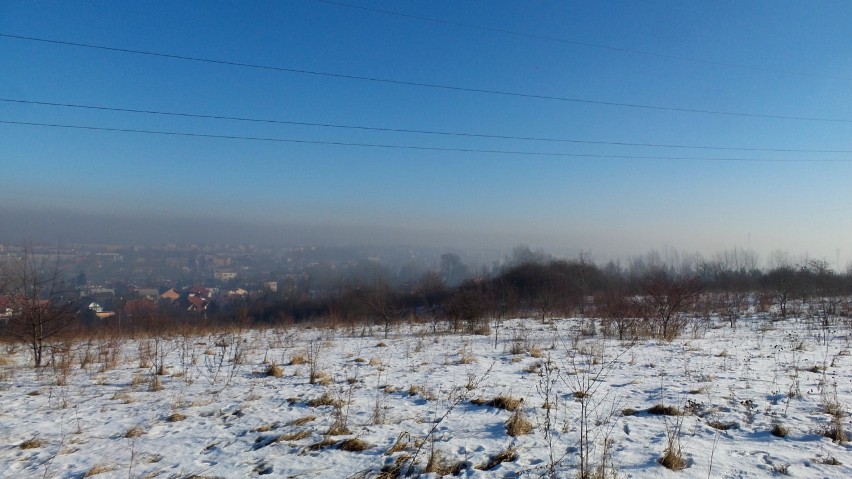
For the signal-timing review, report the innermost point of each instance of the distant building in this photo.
(170, 295)
(225, 274)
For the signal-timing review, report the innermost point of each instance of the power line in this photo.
(438, 86)
(599, 46)
(414, 147)
(413, 131)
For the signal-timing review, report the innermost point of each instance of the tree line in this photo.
(652, 295)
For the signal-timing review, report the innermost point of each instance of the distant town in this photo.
(199, 279)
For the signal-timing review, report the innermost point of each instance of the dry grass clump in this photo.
(301, 421)
(831, 461)
(338, 428)
(723, 426)
(264, 428)
(673, 459)
(508, 403)
(374, 361)
(402, 441)
(325, 400)
(663, 410)
(321, 377)
(274, 370)
(31, 443)
(533, 368)
(99, 469)
(518, 424)
(135, 431)
(155, 384)
(836, 433)
(293, 436)
(123, 397)
(354, 445)
(536, 352)
(381, 345)
(833, 408)
(327, 442)
(394, 470)
(629, 411)
(416, 390)
(176, 417)
(510, 454)
(439, 464)
(138, 379)
(779, 430)
(298, 360)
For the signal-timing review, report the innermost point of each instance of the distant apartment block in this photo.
(225, 274)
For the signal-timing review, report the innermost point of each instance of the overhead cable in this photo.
(413, 131)
(438, 86)
(414, 147)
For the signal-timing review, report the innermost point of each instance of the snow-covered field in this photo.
(419, 395)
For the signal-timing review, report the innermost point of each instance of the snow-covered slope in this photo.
(418, 396)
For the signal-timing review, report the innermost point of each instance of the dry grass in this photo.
(354, 445)
(274, 370)
(175, 417)
(123, 397)
(134, 432)
(338, 428)
(723, 426)
(325, 400)
(510, 454)
(779, 430)
(294, 436)
(401, 443)
(298, 360)
(441, 465)
(99, 469)
(327, 442)
(518, 424)
(508, 403)
(322, 378)
(673, 459)
(301, 421)
(374, 361)
(836, 433)
(31, 443)
(663, 410)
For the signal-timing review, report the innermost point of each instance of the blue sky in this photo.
(767, 58)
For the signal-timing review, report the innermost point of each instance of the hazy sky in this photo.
(578, 65)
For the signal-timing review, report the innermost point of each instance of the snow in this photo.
(239, 422)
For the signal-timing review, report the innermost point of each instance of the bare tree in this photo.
(667, 297)
(39, 310)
